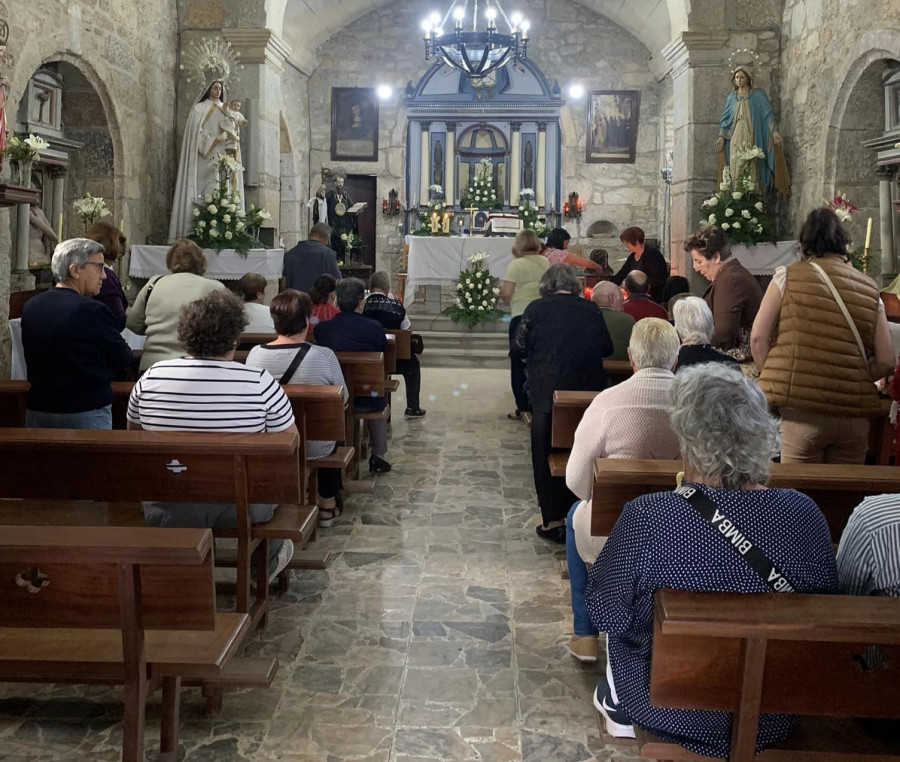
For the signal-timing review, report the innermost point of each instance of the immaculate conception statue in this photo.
(212, 131)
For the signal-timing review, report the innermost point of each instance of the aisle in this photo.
(438, 633)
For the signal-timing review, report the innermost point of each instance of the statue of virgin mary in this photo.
(203, 143)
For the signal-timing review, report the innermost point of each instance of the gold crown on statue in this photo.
(209, 60)
(743, 58)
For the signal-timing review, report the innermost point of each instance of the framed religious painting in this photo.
(354, 124)
(612, 125)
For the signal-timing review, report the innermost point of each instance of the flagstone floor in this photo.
(437, 633)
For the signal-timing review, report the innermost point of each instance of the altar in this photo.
(147, 261)
(438, 260)
(763, 258)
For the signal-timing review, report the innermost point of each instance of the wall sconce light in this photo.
(573, 207)
(390, 206)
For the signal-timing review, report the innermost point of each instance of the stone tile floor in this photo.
(438, 632)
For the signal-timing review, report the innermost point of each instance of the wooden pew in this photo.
(836, 489)
(123, 468)
(617, 371)
(247, 341)
(119, 606)
(364, 377)
(788, 654)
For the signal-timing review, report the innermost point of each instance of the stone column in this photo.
(424, 162)
(886, 220)
(450, 165)
(515, 164)
(22, 230)
(263, 54)
(57, 190)
(697, 61)
(540, 191)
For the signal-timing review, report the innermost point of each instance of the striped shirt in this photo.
(320, 366)
(868, 558)
(208, 395)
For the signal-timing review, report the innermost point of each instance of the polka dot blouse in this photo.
(660, 541)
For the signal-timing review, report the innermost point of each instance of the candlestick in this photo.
(59, 229)
(869, 233)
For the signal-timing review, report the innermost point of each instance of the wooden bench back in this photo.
(836, 489)
(81, 566)
(804, 650)
(363, 373)
(403, 339)
(247, 341)
(130, 466)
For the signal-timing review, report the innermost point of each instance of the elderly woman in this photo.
(114, 246)
(728, 440)
(518, 288)
(694, 323)
(833, 343)
(72, 344)
(558, 358)
(292, 360)
(647, 259)
(173, 395)
(252, 287)
(156, 309)
(733, 294)
(557, 251)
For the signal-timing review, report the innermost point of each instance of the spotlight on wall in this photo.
(576, 91)
(384, 92)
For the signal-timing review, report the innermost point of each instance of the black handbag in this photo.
(416, 345)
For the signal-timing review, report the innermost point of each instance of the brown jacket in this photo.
(816, 364)
(734, 298)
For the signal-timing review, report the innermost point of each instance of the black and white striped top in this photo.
(208, 395)
(868, 558)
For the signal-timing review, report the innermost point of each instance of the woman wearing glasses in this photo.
(73, 348)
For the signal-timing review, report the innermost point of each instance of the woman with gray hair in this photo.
(563, 339)
(694, 323)
(699, 538)
(73, 348)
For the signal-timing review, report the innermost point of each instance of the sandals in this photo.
(328, 517)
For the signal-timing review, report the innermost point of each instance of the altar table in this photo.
(763, 258)
(147, 261)
(438, 260)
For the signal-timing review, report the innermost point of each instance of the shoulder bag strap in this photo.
(843, 307)
(295, 363)
(150, 288)
(756, 559)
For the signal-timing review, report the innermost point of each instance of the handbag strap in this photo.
(843, 307)
(295, 363)
(150, 286)
(756, 559)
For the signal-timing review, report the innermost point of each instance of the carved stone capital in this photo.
(542, 126)
(259, 46)
(451, 126)
(886, 172)
(516, 126)
(696, 49)
(424, 126)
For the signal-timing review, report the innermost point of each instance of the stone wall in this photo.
(575, 45)
(833, 53)
(126, 51)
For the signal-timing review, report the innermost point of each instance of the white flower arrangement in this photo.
(91, 209)
(27, 149)
(477, 293)
(481, 193)
(740, 211)
(220, 223)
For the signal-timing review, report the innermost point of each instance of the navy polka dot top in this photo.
(660, 541)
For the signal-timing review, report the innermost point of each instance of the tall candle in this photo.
(446, 227)
(869, 233)
(434, 223)
(59, 229)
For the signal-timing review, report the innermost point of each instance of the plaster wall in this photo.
(126, 51)
(575, 46)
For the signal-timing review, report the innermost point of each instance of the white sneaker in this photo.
(284, 558)
(616, 721)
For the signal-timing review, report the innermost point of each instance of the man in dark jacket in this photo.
(309, 259)
(349, 331)
(392, 314)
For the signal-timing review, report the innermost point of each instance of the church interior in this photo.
(421, 616)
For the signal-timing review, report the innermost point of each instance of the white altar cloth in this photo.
(765, 257)
(437, 261)
(147, 261)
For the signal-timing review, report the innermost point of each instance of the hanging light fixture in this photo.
(476, 53)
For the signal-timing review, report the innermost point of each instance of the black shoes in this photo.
(414, 412)
(378, 465)
(556, 534)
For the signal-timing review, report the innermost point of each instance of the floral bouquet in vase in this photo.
(218, 221)
(476, 294)
(740, 209)
(91, 209)
(528, 213)
(482, 194)
(23, 151)
(437, 208)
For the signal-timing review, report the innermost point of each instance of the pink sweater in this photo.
(630, 420)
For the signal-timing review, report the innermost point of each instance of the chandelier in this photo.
(476, 53)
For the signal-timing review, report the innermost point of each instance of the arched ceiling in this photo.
(309, 23)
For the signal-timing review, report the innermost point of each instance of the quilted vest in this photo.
(815, 364)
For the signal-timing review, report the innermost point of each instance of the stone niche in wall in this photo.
(511, 116)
